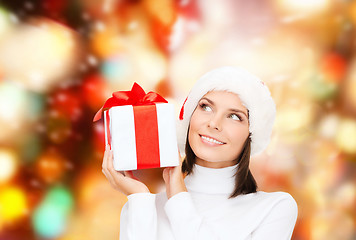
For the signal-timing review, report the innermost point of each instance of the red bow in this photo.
(135, 97)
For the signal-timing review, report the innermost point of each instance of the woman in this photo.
(227, 117)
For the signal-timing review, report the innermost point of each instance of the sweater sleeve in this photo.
(138, 218)
(185, 221)
(279, 223)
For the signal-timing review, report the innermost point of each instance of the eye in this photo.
(235, 117)
(205, 107)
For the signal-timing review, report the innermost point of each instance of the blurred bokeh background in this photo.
(61, 59)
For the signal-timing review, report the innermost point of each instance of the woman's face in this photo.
(218, 129)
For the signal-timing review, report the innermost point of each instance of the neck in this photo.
(211, 180)
(207, 164)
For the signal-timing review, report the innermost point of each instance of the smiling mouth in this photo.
(211, 140)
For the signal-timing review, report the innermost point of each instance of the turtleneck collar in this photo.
(211, 180)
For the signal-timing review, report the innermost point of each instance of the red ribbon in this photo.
(145, 122)
(147, 151)
(135, 97)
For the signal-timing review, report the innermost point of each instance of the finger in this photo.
(110, 163)
(110, 180)
(166, 178)
(166, 175)
(181, 159)
(109, 170)
(102, 170)
(104, 164)
(115, 175)
(108, 177)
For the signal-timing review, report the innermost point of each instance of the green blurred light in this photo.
(36, 103)
(49, 221)
(115, 69)
(31, 147)
(50, 218)
(12, 101)
(321, 89)
(4, 20)
(61, 198)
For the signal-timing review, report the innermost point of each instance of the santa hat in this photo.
(253, 93)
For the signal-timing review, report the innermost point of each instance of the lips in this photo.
(211, 140)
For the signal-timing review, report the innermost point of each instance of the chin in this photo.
(215, 163)
(210, 157)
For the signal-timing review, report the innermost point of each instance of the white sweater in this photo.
(206, 213)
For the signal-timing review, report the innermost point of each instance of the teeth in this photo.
(212, 140)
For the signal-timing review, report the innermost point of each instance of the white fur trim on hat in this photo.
(253, 93)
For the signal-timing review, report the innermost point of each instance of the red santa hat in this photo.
(253, 93)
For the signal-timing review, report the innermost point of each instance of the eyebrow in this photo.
(230, 109)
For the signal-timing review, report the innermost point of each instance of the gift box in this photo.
(140, 129)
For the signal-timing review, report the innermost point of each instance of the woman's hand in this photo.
(125, 182)
(174, 179)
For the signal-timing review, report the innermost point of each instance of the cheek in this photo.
(190, 130)
(195, 121)
(237, 134)
(194, 126)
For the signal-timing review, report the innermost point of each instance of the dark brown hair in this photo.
(244, 181)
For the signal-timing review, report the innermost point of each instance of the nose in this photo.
(215, 122)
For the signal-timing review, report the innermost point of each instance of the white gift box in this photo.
(142, 136)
